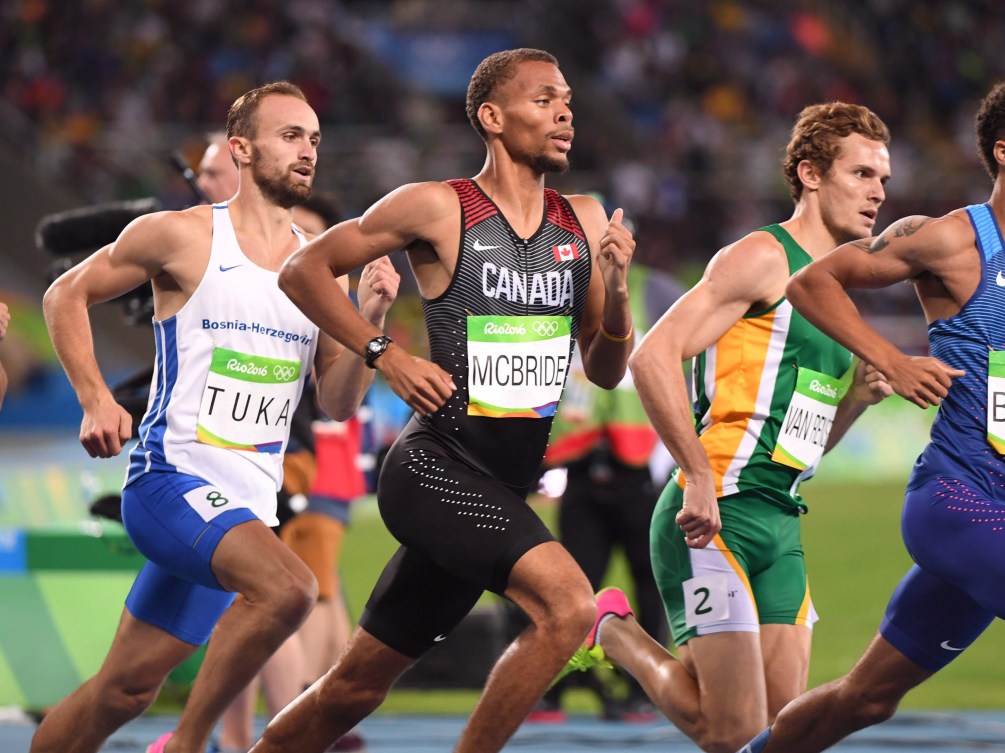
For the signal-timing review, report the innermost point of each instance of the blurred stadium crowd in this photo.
(682, 107)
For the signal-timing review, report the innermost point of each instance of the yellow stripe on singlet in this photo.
(740, 355)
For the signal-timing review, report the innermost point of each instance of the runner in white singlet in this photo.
(232, 357)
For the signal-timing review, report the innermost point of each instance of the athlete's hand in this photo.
(922, 379)
(869, 385)
(4, 319)
(616, 248)
(378, 287)
(699, 517)
(105, 428)
(420, 383)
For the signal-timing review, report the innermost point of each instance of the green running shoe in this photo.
(610, 601)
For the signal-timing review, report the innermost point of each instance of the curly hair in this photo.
(241, 120)
(817, 133)
(493, 72)
(990, 127)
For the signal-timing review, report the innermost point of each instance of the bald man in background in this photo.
(217, 170)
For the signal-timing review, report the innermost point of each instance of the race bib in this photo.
(248, 401)
(517, 365)
(706, 599)
(996, 400)
(209, 502)
(807, 424)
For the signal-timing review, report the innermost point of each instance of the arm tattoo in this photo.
(903, 229)
(863, 244)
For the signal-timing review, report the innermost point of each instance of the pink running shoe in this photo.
(159, 743)
(610, 601)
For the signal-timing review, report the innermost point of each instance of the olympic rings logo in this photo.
(283, 373)
(546, 329)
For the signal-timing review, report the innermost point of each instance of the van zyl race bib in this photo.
(807, 424)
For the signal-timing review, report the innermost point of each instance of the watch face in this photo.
(375, 348)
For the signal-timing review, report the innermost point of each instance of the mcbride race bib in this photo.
(807, 424)
(517, 365)
(996, 400)
(248, 401)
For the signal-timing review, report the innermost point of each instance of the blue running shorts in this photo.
(949, 597)
(176, 590)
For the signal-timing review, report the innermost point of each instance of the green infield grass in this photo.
(855, 558)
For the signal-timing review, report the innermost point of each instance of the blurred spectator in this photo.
(26, 355)
(680, 100)
(604, 440)
(321, 478)
(217, 170)
(4, 321)
(317, 531)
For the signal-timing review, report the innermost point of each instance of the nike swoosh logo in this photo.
(439, 638)
(227, 269)
(945, 644)
(479, 247)
(1000, 279)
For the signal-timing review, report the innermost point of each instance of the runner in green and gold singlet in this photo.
(761, 435)
(771, 394)
(767, 393)
(952, 592)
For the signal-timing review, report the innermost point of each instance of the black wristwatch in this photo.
(375, 349)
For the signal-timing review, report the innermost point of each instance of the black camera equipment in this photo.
(85, 230)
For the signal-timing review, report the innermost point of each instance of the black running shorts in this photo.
(461, 532)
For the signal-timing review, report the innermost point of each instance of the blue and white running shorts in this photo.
(175, 521)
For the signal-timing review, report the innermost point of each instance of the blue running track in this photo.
(930, 732)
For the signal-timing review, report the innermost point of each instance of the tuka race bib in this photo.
(517, 365)
(248, 401)
(996, 400)
(808, 420)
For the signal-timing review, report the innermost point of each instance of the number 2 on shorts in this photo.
(706, 599)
